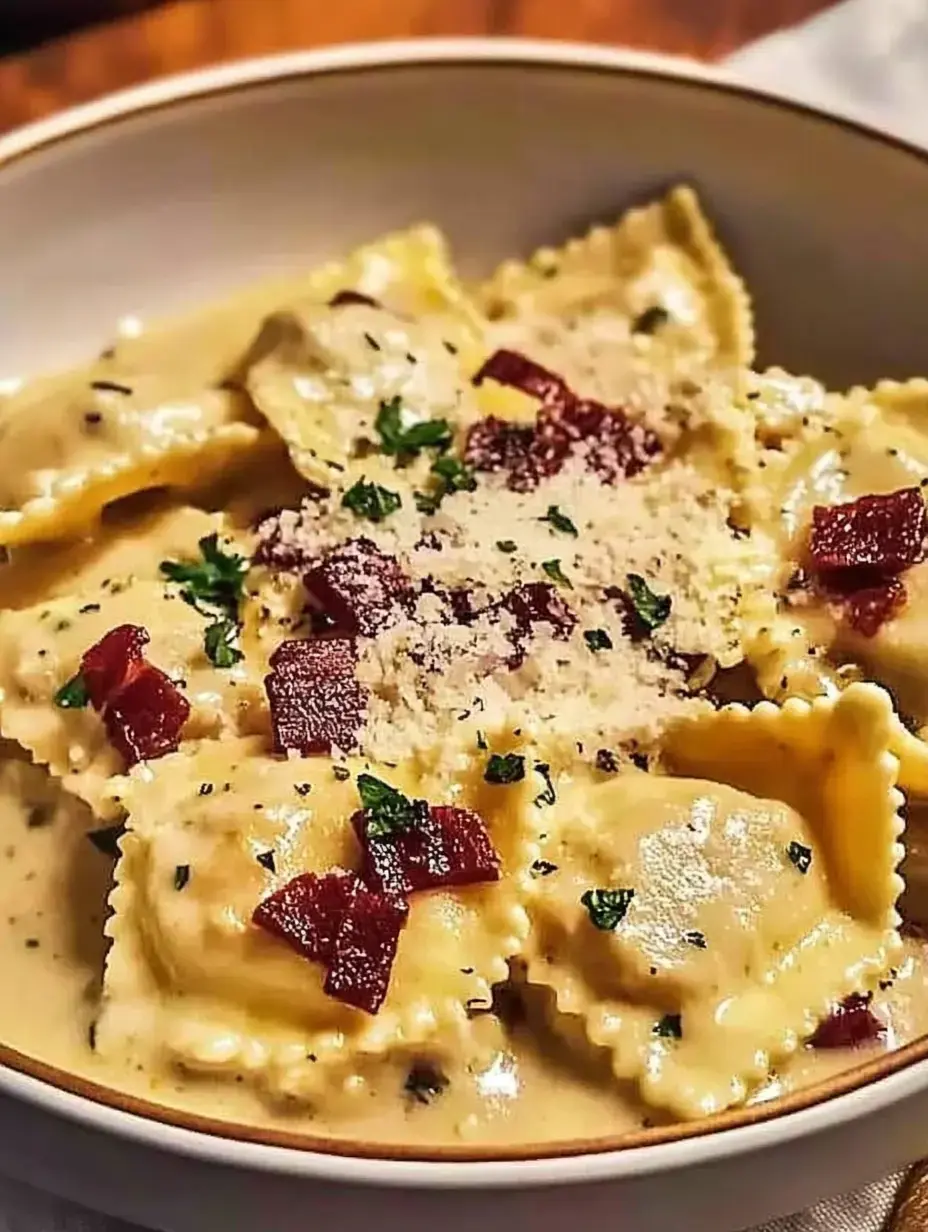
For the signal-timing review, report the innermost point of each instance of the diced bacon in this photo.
(307, 912)
(338, 921)
(106, 665)
(532, 604)
(849, 1024)
(613, 446)
(280, 531)
(342, 298)
(316, 703)
(885, 532)
(494, 444)
(364, 950)
(517, 371)
(867, 610)
(361, 589)
(144, 717)
(445, 846)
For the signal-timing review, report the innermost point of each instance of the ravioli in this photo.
(78, 449)
(653, 293)
(191, 981)
(41, 649)
(700, 927)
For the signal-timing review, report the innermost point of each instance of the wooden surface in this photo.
(187, 34)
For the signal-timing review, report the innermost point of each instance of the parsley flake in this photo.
(549, 795)
(597, 639)
(692, 936)
(669, 1027)
(398, 439)
(607, 908)
(543, 868)
(800, 855)
(556, 573)
(216, 582)
(181, 876)
(219, 643)
(386, 810)
(651, 609)
(266, 860)
(560, 521)
(454, 475)
(371, 501)
(504, 768)
(506, 545)
(73, 694)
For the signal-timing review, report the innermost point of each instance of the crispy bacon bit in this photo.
(143, 710)
(869, 609)
(358, 587)
(612, 446)
(849, 1024)
(106, 665)
(338, 921)
(341, 298)
(316, 703)
(145, 715)
(884, 532)
(279, 534)
(365, 947)
(531, 604)
(445, 846)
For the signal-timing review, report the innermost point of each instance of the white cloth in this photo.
(866, 58)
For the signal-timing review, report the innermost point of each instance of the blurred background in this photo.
(24, 23)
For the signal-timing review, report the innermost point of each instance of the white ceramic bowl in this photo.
(174, 192)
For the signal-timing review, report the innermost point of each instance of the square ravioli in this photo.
(214, 831)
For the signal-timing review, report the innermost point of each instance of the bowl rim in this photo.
(856, 1093)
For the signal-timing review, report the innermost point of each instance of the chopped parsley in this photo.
(607, 908)
(266, 860)
(556, 573)
(597, 639)
(669, 1027)
(692, 936)
(650, 320)
(386, 810)
(371, 501)
(73, 694)
(215, 582)
(399, 439)
(425, 503)
(503, 768)
(543, 868)
(181, 876)
(454, 475)
(219, 643)
(651, 609)
(424, 1083)
(800, 855)
(107, 839)
(549, 795)
(560, 521)
(507, 545)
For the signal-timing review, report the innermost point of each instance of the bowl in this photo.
(171, 194)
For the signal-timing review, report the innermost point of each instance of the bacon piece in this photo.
(885, 532)
(144, 717)
(614, 447)
(494, 444)
(278, 532)
(341, 298)
(316, 703)
(445, 846)
(364, 950)
(519, 372)
(307, 912)
(867, 610)
(849, 1024)
(106, 664)
(338, 921)
(361, 589)
(531, 604)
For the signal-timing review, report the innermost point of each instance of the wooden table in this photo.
(188, 34)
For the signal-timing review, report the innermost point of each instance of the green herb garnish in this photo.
(651, 609)
(504, 768)
(607, 908)
(219, 643)
(397, 439)
(215, 582)
(560, 521)
(425, 503)
(597, 639)
(386, 810)
(454, 475)
(107, 839)
(507, 545)
(800, 855)
(669, 1027)
(692, 936)
(650, 320)
(73, 694)
(549, 795)
(181, 876)
(371, 501)
(556, 573)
